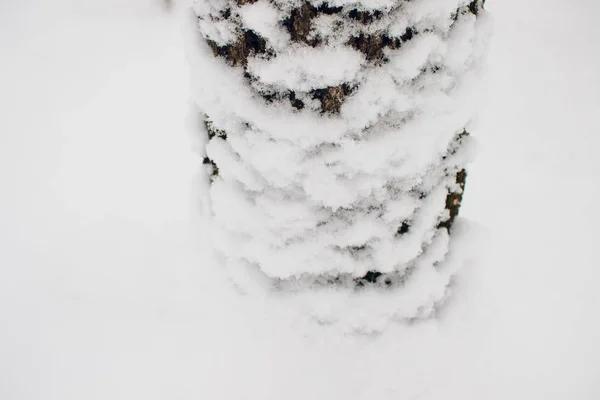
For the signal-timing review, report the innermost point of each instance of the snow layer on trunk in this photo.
(309, 194)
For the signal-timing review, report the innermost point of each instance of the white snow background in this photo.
(106, 288)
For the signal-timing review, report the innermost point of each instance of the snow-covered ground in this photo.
(107, 290)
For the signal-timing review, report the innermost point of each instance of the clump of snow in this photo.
(219, 29)
(304, 69)
(433, 13)
(263, 18)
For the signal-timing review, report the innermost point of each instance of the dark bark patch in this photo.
(214, 170)
(269, 97)
(476, 6)
(332, 98)
(372, 45)
(391, 43)
(299, 24)
(237, 53)
(454, 200)
(329, 10)
(226, 13)
(404, 228)
(296, 103)
(365, 17)
(408, 34)
(373, 277)
(213, 131)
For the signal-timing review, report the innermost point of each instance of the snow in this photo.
(262, 17)
(108, 289)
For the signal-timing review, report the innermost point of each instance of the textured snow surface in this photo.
(108, 290)
(303, 196)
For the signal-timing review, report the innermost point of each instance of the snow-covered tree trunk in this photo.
(338, 132)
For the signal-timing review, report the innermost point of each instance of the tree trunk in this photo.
(344, 162)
